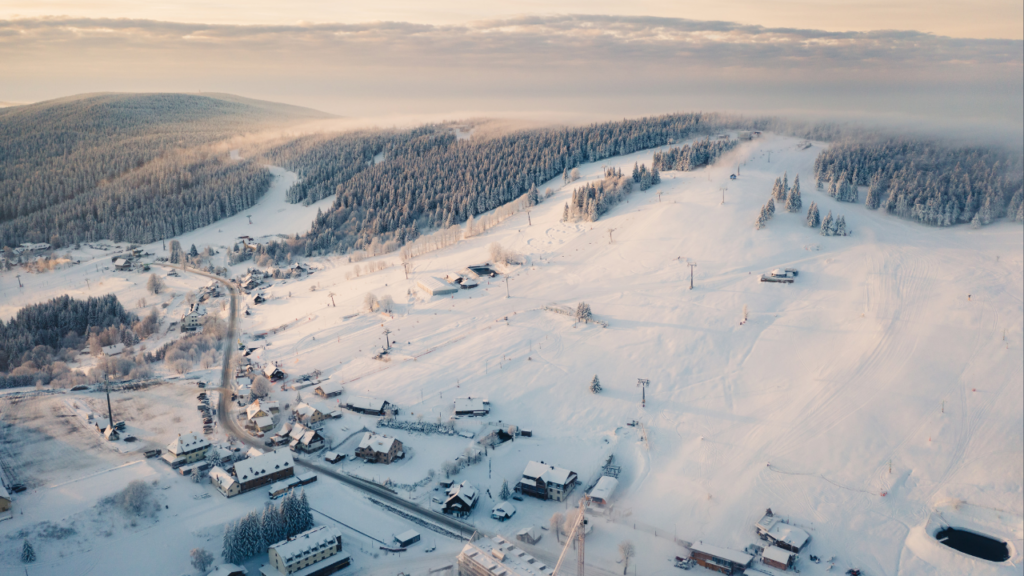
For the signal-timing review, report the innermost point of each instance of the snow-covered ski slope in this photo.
(801, 409)
(874, 357)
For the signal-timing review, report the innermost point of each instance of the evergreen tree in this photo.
(785, 185)
(636, 172)
(175, 248)
(655, 176)
(771, 207)
(841, 226)
(813, 218)
(827, 225)
(231, 552)
(305, 515)
(28, 554)
(193, 252)
(874, 197)
(532, 197)
(595, 385)
(505, 494)
(794, 203)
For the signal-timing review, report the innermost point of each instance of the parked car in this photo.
(151, 453)
(130, 438)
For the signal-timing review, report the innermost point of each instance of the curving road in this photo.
(225, 416)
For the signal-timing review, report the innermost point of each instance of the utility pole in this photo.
(723, 194)
(691, 265)
(386, 339)
(610, 230)
(405, 265)
(643, 383)
(110, 412)
(507, 294)
(528, 219)
(20, 285)
(331, 294)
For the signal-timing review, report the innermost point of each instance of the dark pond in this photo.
(974, 544)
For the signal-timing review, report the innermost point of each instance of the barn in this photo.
(436, 286)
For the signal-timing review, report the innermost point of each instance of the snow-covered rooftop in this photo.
(377, 442)
(330, 387)
(470, 404)
(547, 472)
(777, 554)
(499, 556)
(252, 468)
(306, 544)
(779, 531)
(606, 485)
(365, 403)
(187, 443)
(720, 552)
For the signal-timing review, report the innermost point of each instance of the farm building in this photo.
(365, 405)
(319, 547)
(329, 389)
(603, 490)
(226, 483)
(461, 499)
(186, 448)
(469, 406)
(309, 416)
(546, 482)
(436, 286)
(529, 535)
(122, 265)
(490, 556)
(379, 448)
(407, 538)
(718, 559)
(777, 557)
(262, 470)
(193, 319)
(774, 530)
(503, 511)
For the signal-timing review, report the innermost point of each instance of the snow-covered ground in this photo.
(875, 359)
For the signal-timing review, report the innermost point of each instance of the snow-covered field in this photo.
(868, 402)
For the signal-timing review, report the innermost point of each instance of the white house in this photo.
(305, 439)
(187, 448)
(226, 483)
(503, 511)
(193, 319)
(309, 416)
(328, 389)
(774, 530)
(319, 547)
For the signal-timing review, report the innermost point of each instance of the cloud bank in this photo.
(601, 65)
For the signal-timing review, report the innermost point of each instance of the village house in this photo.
(718, 559)
(193, 319)
(469, 406)
(461, 499)
(372, 406)
(225, 482)
(122, 265)
(491, 556)
(273, 373)
(503, 511)
(261, 424)
(379, 448)
(777, 557)
(529, 535)
(186, 448)
(253, 473)
(5, 499)
(772, 529)
(546, 482)
(328, 389)
(407, 538)
(305, 439)
(309, 416)
(315, 552)
(229, 570)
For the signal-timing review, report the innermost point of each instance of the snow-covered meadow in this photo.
(879, 392)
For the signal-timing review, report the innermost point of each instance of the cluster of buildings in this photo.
(491, 556)
(315, 552)
(783, 542)
(252, 473)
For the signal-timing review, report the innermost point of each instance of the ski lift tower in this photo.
(643, 383)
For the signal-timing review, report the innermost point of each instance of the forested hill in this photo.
(131, 167)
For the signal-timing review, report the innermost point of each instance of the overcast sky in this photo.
(939, 61)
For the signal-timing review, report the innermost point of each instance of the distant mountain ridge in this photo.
(102, 165)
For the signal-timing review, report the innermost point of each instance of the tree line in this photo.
(256, 531)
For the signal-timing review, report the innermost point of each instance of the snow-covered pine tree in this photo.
(841, 226)
(785, 185)
(826, 225)
(813, 217)
(874, 198)
(305, 515)
(532, 196)
(833, 227)
(771, 207)
(28, 554)
(230, 552)
(636, 172)
(655, 176)
(777, 188)
(793, 202)
(833, 186)
(505, 494)
(595, 385)
(565, 213)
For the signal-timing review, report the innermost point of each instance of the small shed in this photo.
(407, 538)
(529, 535)
(334, 457)
(777, 557)
(306, 478)
(603, 490)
